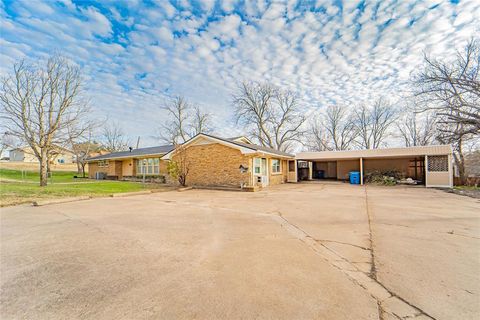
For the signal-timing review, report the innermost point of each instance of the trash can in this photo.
(320, 174)
(354, 177)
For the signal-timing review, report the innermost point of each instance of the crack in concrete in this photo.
(345, 243)
(373, 268)
(376, 289)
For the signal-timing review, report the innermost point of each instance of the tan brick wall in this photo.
(92, 168)
(216, 165)
(278, 178)
(163, 167)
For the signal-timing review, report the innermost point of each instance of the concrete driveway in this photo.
(296, 251)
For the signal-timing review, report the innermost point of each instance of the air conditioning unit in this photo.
(100, 175)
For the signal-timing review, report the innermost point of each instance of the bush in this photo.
(387, 177)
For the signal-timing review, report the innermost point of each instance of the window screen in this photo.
(437, 163)
(276, 166)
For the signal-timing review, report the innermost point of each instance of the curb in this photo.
(55, 201)
(184, 189)
(127, 194)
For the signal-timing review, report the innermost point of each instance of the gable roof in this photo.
(244, 147)
(150, 151)
(241, 139)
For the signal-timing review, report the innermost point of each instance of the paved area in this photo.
(303, 251)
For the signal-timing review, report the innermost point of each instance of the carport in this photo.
(429, 165)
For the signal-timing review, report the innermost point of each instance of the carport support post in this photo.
(425, 165)
(361, 171)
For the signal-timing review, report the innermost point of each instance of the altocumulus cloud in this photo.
(135, 54)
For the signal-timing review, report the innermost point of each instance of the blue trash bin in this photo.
(354, 177)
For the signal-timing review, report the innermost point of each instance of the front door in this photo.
(260, 173)
(292, 171)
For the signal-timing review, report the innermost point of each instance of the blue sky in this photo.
(135, 54)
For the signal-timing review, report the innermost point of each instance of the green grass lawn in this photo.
(15, 190)
(34, 176)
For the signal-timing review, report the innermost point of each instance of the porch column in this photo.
(252, 171)
(426, 170)
(296, 169)
(450, 171)
(361, 171)
(310, 169)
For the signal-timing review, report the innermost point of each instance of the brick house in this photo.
(213, 161)
(236, 162)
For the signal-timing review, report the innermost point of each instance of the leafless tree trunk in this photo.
(40, 104)
(417, 128)
(372, 124)
(457, 141)
(452, 89)
(273, 115)
(113, 138)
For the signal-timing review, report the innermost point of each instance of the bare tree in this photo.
(200, 122)
(452, 90)
(175, 129)
(40, 103)
(184, 121)
(417, 128)
(113, 138)
(372, 124)
(340, 127)
(84, 146)
(272, 114)
(316, 138)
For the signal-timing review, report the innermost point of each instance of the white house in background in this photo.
(25, 154)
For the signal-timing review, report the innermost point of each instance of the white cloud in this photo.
(160, 51)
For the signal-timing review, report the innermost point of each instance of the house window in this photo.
(276, 166)
(150, 166)
(438, 163)
(103, 163)
(257, 163)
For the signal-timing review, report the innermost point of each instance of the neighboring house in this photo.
(236, 162)
(58, 156)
